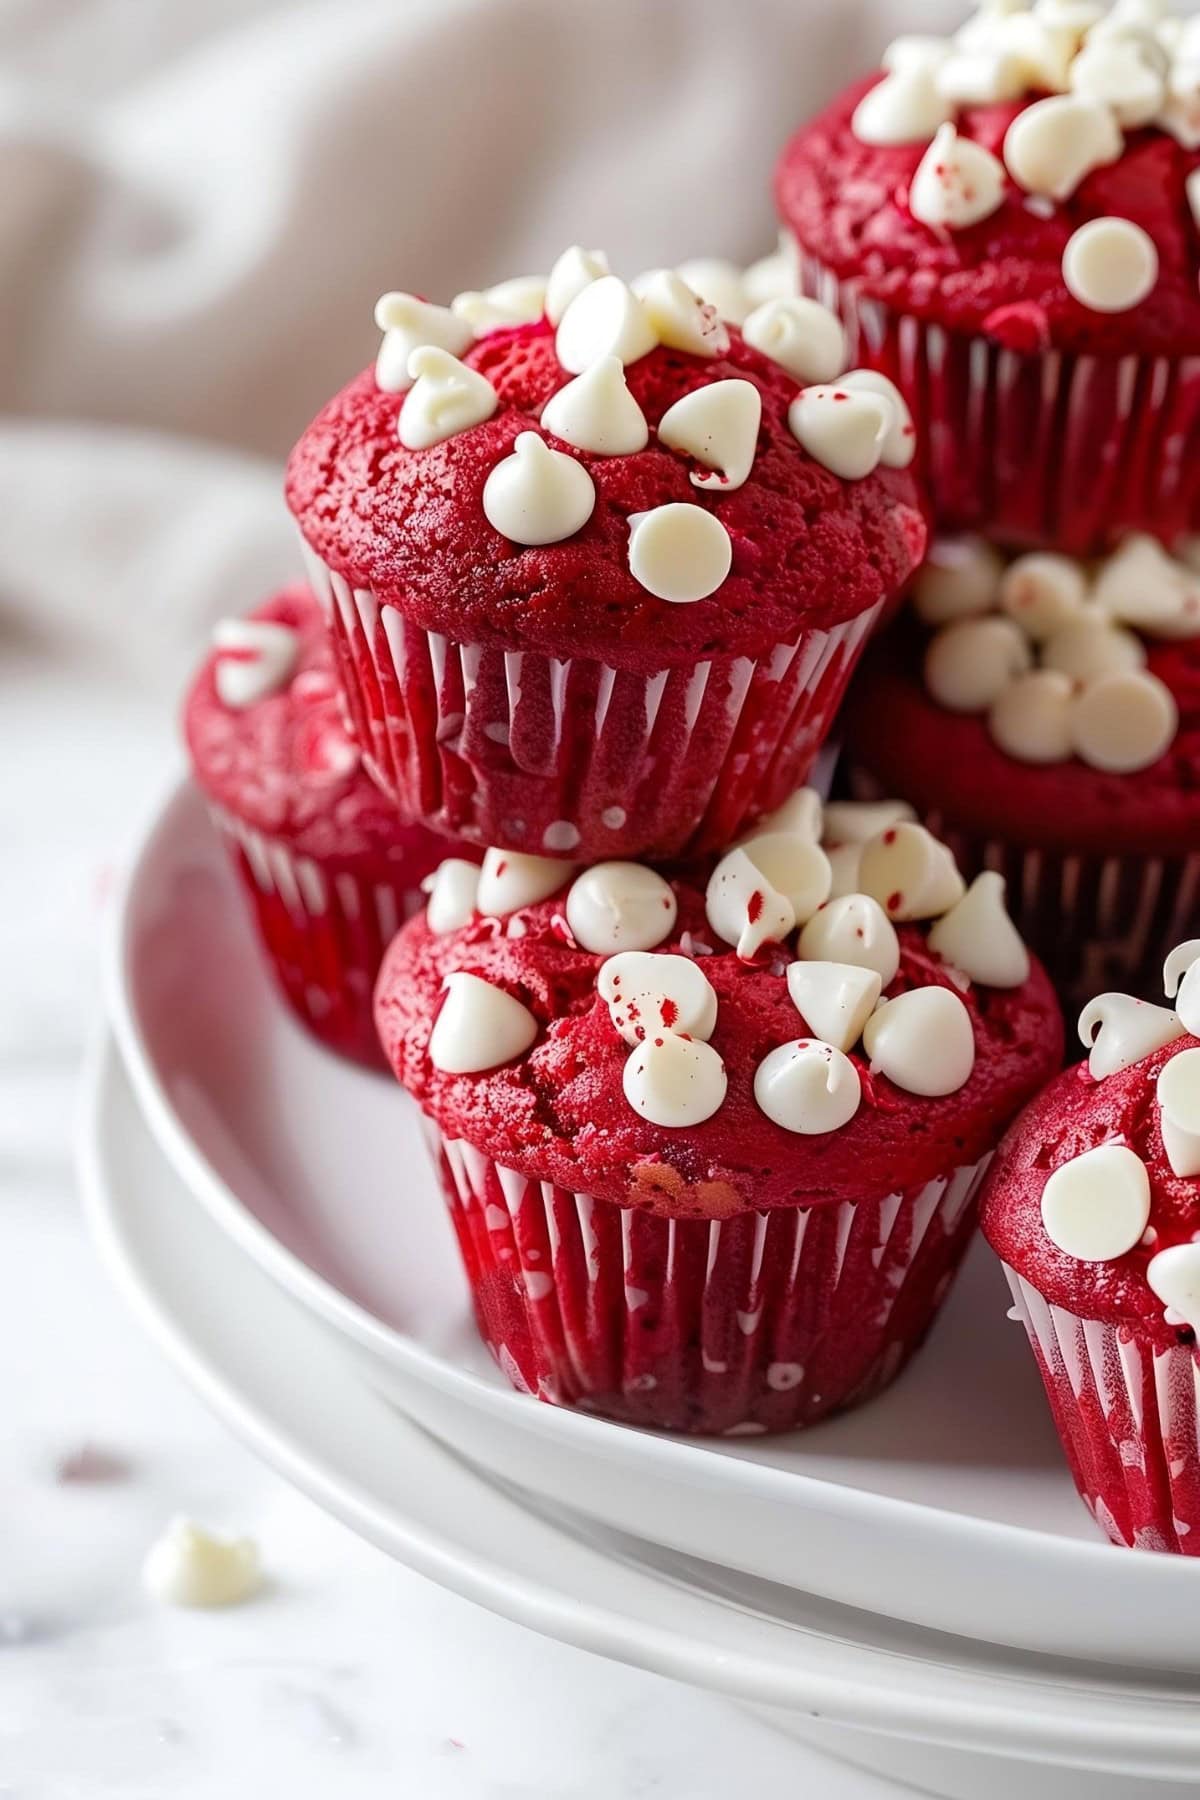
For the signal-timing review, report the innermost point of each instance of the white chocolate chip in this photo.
(843, 430)
(453, 891)
(802, 814)
(1117, 74)
(1031, 719)
(479, 1027)
(647, 994)
(980, 77)
(406, 324)
(835, 1000)
(604, 319)
(1097, 1206)
(906, 107)
(978, 937)
(1110, 265)
(1192, 192)
(717, 282)
(538, 495)
(519, 301)
(969, 664)
(910, 873)
(1053, 144)
(794, 866)
(853, 929)
(1042, 592)
(679, 552)
(1124, 722)
(511, 879)
(188, 1566)
(807, 1087)
(800, 335)
(743, 908)
(1181, 983)
(915, 51)
(718, 426)
(674, 1081)
(1119, 1031)
(597, 412)
(1178, 1093)
(923, 1041)
(575, 269)
(1092, 647)
(620, 906)
(446, 397)
(959, 579)
(772, 277)
(858, 821)
(1174, 1275)
(679, 317)
(255, 659)
(1140, 585)
(957, 183)
(900, 444)
(844, 860)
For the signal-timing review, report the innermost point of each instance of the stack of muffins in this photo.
(1006, 222)
(712, 1071)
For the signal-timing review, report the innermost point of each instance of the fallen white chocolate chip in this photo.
(978, 937)
(189, 1566)
(1043, 592)
(959, 579)
(674, 1081)
(648, 993)
(1093, 646)
(1031, 717)
(923, 1041)
(802, 813)
(1119, 1030)
(620, 906)
(793, 866)
(718, 426)
(597, 412)
(858, 821)
(808, 1087)
(844, 860)
(479, 1027)
(835, 1000)
(853, 929)
(453, 890)
(1096, 1207)
(799, 334)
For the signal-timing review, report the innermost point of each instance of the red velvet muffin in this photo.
(1006, 223)
(330, 868)
(597, 587)
(702, 1178)
(1093, 1205)
(1044, 718)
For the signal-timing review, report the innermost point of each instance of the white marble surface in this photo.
(350, 1677)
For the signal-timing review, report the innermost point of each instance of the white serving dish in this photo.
(946, 1502)
(965, 1721)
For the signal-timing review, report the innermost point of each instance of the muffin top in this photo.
(1094, 1197)
(264, 731)
(1044, 699)
(664, 1044)
(569, 464)
(1030, 179)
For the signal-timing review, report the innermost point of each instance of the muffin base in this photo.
(1127, 1416)
(1069, 451)
(762, 1322)
(568, 756)
(1099, 922)
(323, 934)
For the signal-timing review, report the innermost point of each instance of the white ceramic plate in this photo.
(946, 1502)
(961, 1719)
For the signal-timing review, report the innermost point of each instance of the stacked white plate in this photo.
(914, 1586)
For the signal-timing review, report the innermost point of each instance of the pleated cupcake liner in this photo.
(323, 933)
(569, 756)
(1126, 1412)
(761, 1322)
(1059, 449)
